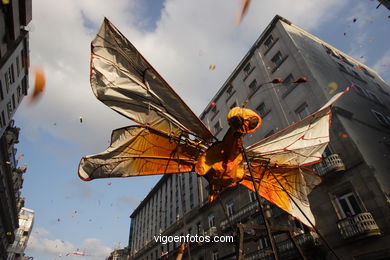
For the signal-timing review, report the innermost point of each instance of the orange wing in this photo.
(136, 151)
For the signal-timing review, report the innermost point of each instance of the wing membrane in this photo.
(138, 151)
(275, 182)
(123, 80)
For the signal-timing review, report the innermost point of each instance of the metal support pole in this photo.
(269, 233)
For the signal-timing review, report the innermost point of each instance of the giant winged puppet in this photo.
(170, 138)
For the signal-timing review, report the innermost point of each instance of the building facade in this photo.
(14, 64)
(352, 203)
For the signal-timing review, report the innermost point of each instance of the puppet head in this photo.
(243, 120)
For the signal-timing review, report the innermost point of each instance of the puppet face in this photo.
(244, 120)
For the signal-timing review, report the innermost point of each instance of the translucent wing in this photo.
(276, 182)
(123, 80)
(287, 152)
(137, 151)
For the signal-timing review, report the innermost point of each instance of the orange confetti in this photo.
(360, 67)
(20, 156)
(244, 9)
(342, 135)
(40, 82)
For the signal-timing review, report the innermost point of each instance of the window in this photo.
(268, 43)
(302, 111)
(360, 91)
(230, 90)
(211, 221)
(230, 208)
(1, 91)
(365, 71)
(252, 86)
(288, 81)
(348, 205)
(215, 255)
(13, 102)
(248, 68)
(277, 59)
(262, 110)
(380, 117)
(19, 93)
(374, 97)
(7, 81)
(217, 127)
(214, 112)
(11, 73)
(252, 196)
(9, 110)
(345, 60)
(199, 228)
(269, 133)
(329, 51)
(17, 66)
(341, 67)
(234, 105)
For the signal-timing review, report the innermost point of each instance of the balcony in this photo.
(358, 226)
(330, 164)
(211, 232)
(244, 212)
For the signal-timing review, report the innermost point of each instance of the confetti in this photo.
(58, 219)
(81, 119)
(342, 135)
(212, 67)
(213, 104)
(333, 85)
(361, 57)
(372, 39)
(20, 156)
(345, 34)
(9, 233)
(55, 124)
(354, 20)
(360, 67)
(109, 183)
(39, 85)
(8, 162)
(342, 59)
(244, 9)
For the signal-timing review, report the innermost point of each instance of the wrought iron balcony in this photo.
(211, 232)
(301, 239)
(332, 163)
(244, 212)
(358, 226)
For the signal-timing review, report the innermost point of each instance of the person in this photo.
(182, 248)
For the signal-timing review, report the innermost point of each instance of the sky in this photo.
(180, 38)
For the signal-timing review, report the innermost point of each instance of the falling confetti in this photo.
(20, 156)
(54, 124)
(117, 217)
(354, 20)
(212, 67)
(361, 57)
(58, 219)
(9, 233)
(213, 104)
(39, 85)
(109, 183)
(342, 135)
(333, 85)
(154, 76)
(360, 67)
(345, 34)
(342, 59)
(81, 119)
(372, 39)
(244, 9)
(5, 2)
(8, 162)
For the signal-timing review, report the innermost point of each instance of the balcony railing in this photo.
(301, 239)
(211, 232)
(358, 226)
(332, 163)
(245, 211)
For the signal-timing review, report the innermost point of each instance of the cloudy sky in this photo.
(180, 38)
